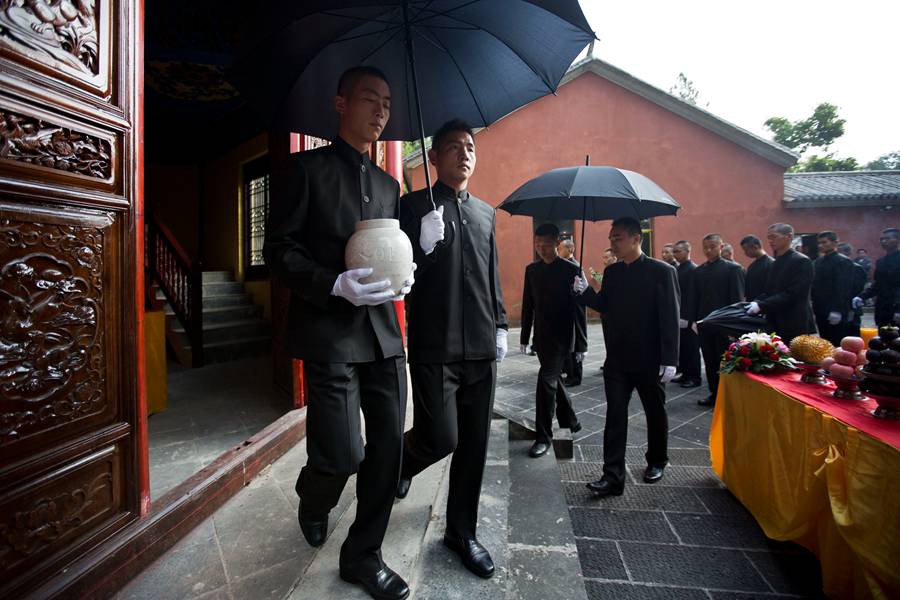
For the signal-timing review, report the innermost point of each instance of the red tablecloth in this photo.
(855, 413)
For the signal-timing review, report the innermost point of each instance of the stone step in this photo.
(439, 574)
(243, 299)
(543, 557)
(226, 313)
(229, 331)
(215, 276)
(400, 550)
(218, 352)
(222, 288)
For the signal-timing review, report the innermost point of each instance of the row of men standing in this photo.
(796, 295)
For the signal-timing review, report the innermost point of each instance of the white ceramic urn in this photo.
(381, 245)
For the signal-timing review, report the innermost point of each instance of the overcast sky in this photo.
(754, 60)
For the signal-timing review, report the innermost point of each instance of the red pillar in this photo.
(296, 141)
(393, 159)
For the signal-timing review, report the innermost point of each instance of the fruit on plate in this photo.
(811, 349)
(844, 357)
(888, 333)
(826, 364)
(853, 344)
(839, 370)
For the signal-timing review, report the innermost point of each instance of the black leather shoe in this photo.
(403, 487)
(575, 428)
(708, 401)
(475, 557)
(690, 383)
(653, 474)
(538, 449)
(314, 528)
(382, 585)
(573, 383)
(604, 487)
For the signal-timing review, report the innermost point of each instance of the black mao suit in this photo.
(757, 274)
(640, 307)
(786, 299)
(454, 311)
(885, 288)
(716, 284)
(836, 281)
(689, 344)
(549, 303)
(572, 367)
(353, 356)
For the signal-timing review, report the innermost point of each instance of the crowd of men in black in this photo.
(348, 334)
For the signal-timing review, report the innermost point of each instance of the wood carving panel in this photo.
(70, 37)
(35, 141)
(40, 518)
(53, 337)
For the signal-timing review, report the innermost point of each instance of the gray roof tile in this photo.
(844, 188)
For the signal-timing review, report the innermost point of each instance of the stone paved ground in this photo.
(685, 537)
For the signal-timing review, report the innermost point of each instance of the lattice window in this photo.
(256, 211)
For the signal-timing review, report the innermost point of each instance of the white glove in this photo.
(523, 348)
(682, 324)
(347, 286)
(753, 309)
(432, 230)
(856, 302)
(407, 285)
(501, 345)
(579, 356)
(897, 318)
(694, 328)
(834, 318)
(579, 284)
(666, 373)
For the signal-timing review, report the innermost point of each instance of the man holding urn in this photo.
(346, 331)
(457, 335)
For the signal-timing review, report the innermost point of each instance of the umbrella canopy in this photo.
(474, 60)
(732, 320)
(590, 194)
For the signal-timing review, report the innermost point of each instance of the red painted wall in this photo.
(722, 187)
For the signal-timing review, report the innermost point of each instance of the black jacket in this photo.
(836, 281)
(786, 299)
(456, 306)
(549, 303)
(885, 288)
(640, 307)
(685, 272)
(327, 191)
(757, 274)
(580, 321)
(716, 284)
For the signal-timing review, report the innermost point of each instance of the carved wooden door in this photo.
(69, 238)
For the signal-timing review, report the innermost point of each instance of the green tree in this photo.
(685, 89)
(828, 162)
(886, 162)
(818, 131)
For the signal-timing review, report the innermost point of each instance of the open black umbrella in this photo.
(732, 320)
(590, 194)
(473, 60)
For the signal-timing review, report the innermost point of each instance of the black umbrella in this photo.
(590, 194)
(473, 60)
(732, 320)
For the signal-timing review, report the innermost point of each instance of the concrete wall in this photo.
(721, 186)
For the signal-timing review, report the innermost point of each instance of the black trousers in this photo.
(835, 333)
(689, 355)
(551, 394)
(619, 386)
(337, 392)
(713, 346)
(573, 369)
(452, 405)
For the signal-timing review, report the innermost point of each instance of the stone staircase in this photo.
(233, 326)
(523, 521)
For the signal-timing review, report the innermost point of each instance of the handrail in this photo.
(181, 280)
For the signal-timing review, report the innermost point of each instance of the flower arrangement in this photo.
(756, 352)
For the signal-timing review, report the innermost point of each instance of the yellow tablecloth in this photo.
(808, 478)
